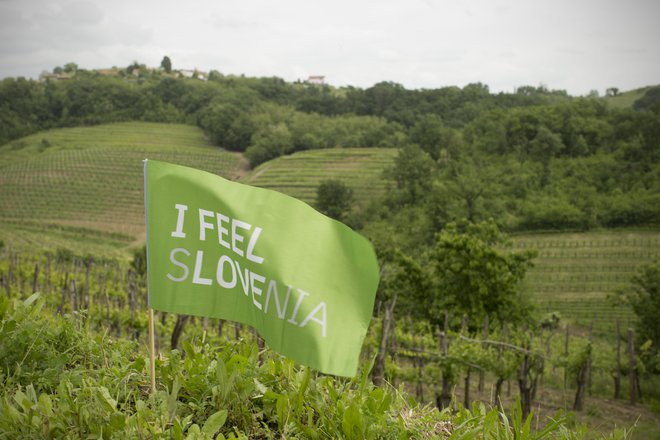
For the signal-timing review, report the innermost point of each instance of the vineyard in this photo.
(88, 181)
(84, 185)
(81, 189)
(300, 174)
(71, 212)
(87, 371)
(574, 272)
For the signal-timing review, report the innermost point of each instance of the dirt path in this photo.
(241, 169)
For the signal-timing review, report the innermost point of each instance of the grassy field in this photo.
(574, 272)
(84, 185)
(300, 174)
(625, 99)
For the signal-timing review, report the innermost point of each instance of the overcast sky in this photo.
(575, 45)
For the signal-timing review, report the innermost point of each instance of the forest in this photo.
(472, 169)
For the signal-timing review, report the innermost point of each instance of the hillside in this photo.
(81, 188)
(625, 99)
(84, 185)
(468, 164)
(299, 175)
(574, 272)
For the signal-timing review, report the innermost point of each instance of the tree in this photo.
(543, 148)
(271, 142)
(429, 133)
(166, 64)
(476, 276)
(70, 67)
(612, 91)
(405, 284)
(334, 198)
(412, 172)
(643, 295)
(463, 189)
(650, 100)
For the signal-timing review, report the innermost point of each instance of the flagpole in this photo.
(152, 345)
(152, 351)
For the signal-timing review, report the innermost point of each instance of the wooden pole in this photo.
(481, 372)
(35, 281)
(152, 351)
(566, 355)
(617, 372)
(378, 372)
(631, 366)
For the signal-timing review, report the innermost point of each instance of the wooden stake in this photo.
(481, 372)
(152, 351)
(631, 366)
(617, 372)
(566, 355)
(35, 281)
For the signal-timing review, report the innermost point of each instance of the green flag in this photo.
(221, 249)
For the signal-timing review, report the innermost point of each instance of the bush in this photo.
(334, 198)
(552, 214)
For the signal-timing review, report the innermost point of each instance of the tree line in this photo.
(535, 159)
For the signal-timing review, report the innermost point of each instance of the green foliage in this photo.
(462, 191)
(334, 198)
(139, 261)
(99, 389)
(643, 295)
(474, 276)
(166, 64)
(412, 171)
(535, 148)
(434, 137)
(269, 144)
(95, 381)
(650, 101)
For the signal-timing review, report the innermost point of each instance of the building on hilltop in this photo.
(316, 80)
(51, 76)
(185, 73)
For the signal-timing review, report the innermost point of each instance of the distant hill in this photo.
(84, 185)
(626, 99)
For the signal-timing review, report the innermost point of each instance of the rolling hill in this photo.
(299, 174)
(626, 99)
(81, 189)
(74, 187)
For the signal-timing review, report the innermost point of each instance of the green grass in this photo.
(300, 174)
(625, 99)
(575, 272)
(85, 183)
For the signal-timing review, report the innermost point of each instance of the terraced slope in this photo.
(88, 181)
(300, 174)
(574, 272)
